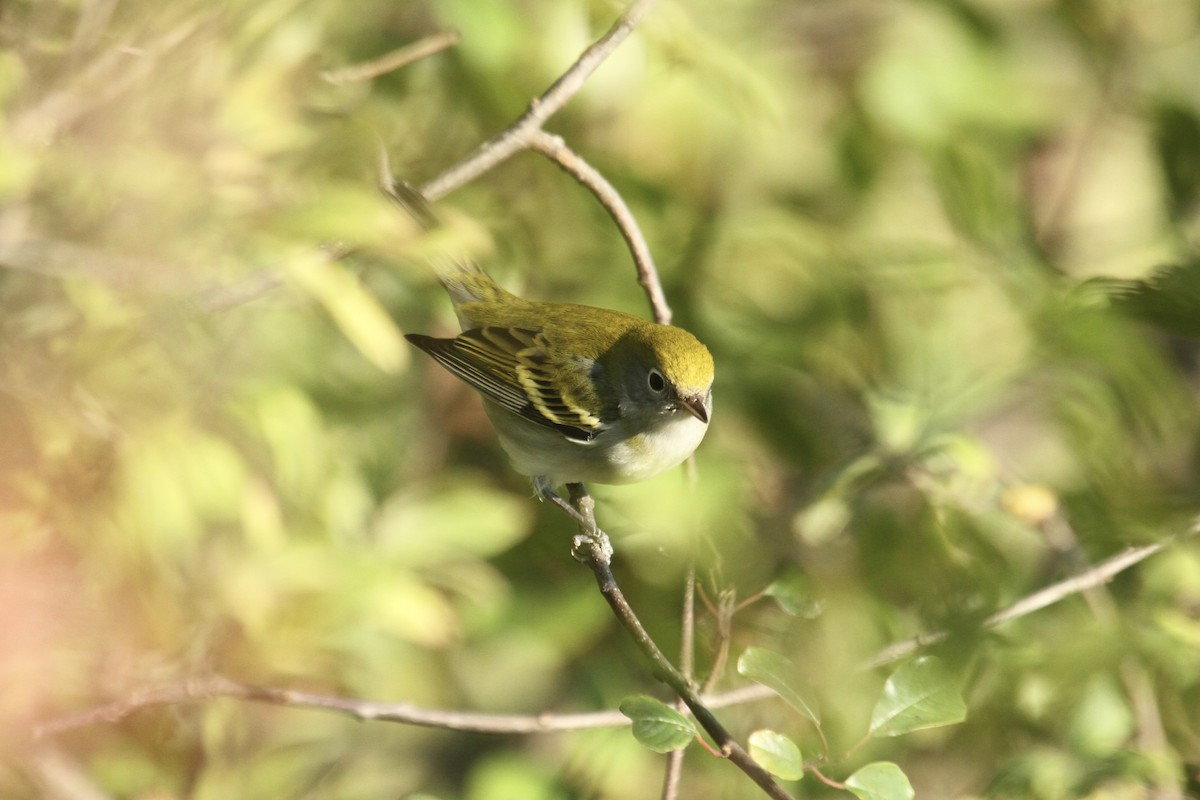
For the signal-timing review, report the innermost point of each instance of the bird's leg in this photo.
(584, 504)
(593, 543)
(545, 490)
(582, 509)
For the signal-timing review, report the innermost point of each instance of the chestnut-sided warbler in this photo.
(577, 394)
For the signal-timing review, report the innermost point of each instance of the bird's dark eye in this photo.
(656, 381)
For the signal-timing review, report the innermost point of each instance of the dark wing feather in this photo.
(481, 374)
(508, 366)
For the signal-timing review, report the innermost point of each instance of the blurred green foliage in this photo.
(943, 252)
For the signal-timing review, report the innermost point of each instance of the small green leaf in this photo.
(657, 725)
(920, 694)
(881, 780)
(792, 594)
(774, 671)
(822, 521)
(778, 754)
(425, 527)
(1103, 721)
(361, 318)
(1177, 136)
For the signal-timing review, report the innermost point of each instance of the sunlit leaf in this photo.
(778, 754)
(1103, 721)
(1168, 299)
(412, 610)
(823, 520)
(1177, 137)
(357, 313)
(657, 725)
(920, 694)
(978, 195)
(794, 595)
(881, 780)
(508, 776)
(776, 672)
(465, 519)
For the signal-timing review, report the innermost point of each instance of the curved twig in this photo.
(1097, 575)
(526, 133)
(214, 686)
(554, 148)
(402, 57)
(515, 137)
(687, 666)
(592, 548)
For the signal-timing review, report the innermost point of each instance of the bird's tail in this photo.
(466, 282)
(470, 288)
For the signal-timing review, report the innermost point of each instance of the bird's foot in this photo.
(592, 544)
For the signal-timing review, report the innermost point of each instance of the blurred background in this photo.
(943, 251)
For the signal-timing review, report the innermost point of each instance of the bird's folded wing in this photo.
(511, 367)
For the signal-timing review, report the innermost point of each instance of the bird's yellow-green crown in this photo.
(686, 362)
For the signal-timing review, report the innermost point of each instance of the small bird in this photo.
(577, 394)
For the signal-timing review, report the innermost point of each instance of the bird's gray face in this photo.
(647, 393)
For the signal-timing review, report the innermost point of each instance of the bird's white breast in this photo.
(657, 449)
(611, 457)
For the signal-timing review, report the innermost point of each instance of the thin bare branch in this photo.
(515, 137)
(726, 607)
(593, 550)
(207, 688)
(687, 666)
(61, 777)
(1100, 574)
(554, 148)
(97, 84)
(687, 625)
(1151, 735)
(253, 287)
(63, 259)
(673, 775)
(389, 62)
(211, 687)
(216, 686)
(526, 133)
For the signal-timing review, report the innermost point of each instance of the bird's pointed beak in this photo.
(696, 405)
